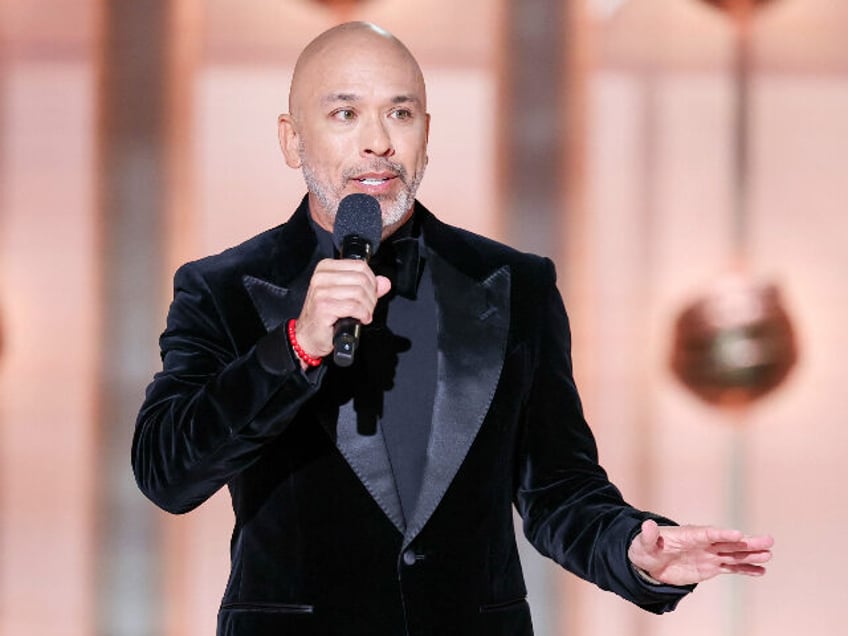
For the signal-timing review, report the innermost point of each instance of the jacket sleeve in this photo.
(208, 413)
(572, 513)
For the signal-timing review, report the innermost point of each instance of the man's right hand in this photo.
(340, 288)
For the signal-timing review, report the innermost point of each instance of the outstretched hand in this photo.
(682, 555)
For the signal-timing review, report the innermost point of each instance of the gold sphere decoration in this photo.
(735, 344)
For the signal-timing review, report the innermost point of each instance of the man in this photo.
(377, 499)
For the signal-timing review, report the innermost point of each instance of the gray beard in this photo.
(393, 209)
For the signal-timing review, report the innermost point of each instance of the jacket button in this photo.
(409, 557)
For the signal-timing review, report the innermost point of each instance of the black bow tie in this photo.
(399, 261)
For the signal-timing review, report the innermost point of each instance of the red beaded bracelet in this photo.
(307, 359)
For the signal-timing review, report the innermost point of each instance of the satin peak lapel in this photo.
(272, 303)
(473, 328)
(368, 457)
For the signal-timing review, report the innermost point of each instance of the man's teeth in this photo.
(372, 181)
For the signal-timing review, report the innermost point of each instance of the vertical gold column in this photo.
(184, 32)
(4, 21)
(577, 57)
(573, 259)
(148, 61)
(132, 164)
(535, 146)
(183, 52)
(532, 123)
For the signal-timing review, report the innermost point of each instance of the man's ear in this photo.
(289, 140)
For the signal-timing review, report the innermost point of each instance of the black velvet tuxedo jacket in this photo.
(320, 546)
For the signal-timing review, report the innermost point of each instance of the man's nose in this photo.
(376, 140)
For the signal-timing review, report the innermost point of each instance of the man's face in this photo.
(358, 124)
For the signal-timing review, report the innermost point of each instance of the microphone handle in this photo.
(345, 341)
(346, 335)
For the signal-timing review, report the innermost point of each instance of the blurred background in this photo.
(682, 161)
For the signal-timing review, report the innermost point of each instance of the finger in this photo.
(746, 557)
(744, 569)
(729, 548)
(332, 288)
(383, 286)
(735, 548)
(344, 303)
(759, 542)
(345, 275)
(333, 279)
(747, 544)
(315, 330)
(341, 264)
(723, 535)
(650, 535)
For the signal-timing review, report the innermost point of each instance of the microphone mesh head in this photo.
(360, 215)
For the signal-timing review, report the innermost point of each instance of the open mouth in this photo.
(373, 181)
(375, 178)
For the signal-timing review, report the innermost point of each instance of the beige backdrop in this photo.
(647, 226)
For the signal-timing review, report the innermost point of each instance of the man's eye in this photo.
(402, 113)
(343, 114)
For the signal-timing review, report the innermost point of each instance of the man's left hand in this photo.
(682, 555)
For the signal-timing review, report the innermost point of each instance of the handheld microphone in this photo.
(356, 233)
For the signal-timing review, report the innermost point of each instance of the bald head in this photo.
(338, 46)
(357, 122)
